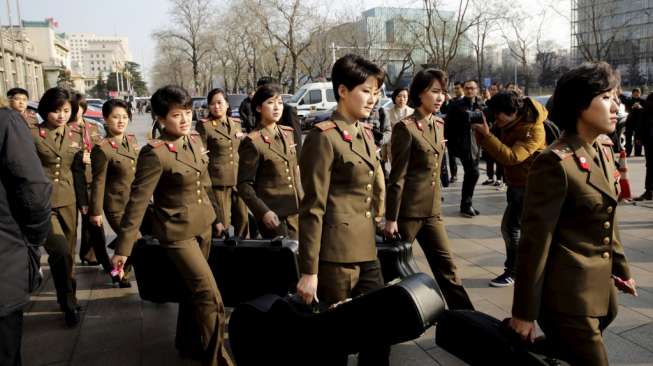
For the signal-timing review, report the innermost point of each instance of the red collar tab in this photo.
(171, 147)
(113, 144)
(266, 139)
(584, 164)
(42, 132)
(346, 136)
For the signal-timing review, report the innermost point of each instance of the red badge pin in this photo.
(346, 136)
(113, 144)
(42, 133)
(419, 125)
(172, 147)
(266, 139)
(584, 164)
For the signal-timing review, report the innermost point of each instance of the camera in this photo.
(475, 117)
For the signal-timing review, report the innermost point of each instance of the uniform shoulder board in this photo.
(254, 134)
(439, 120)
(326, 125)
(409, 120)
(156, 143)
(562, 150)
(287, 128)
(605, 140)
(74, 127)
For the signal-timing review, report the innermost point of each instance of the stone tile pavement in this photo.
(118, 328)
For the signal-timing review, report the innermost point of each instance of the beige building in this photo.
(20, 66)
(51, 47)
(94, 55)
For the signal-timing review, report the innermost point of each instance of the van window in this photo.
(330, 96)
(298, 96)
(315, 96)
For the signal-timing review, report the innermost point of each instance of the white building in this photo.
(50, 47)
(19, 64)
(94, 55)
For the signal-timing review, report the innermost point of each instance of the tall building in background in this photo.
(98, 56)
(617, 31)
(50, 46)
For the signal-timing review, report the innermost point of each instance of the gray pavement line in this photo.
(623, 338)
(635, 327)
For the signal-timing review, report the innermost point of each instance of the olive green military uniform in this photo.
(339, 171)
(570, 248)
(222, 139)
(60, 151)
(173, 172)
(413, 198)
(268, 178)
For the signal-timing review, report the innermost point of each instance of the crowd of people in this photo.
(332, 193)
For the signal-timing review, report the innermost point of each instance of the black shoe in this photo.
(488, 182)
(646, 196)
(467, 212)
(86, 262)
(120, 282)
(476, 212)
(72, 317)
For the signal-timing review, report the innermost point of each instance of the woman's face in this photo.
(178, 121)
(401, 99)
(359, 102)
(60, 116)
(117, 121)
(601, 115)
(432, 98)
(218, 106)
(271, 110)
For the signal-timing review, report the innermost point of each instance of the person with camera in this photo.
(462, 113)
(521, 125)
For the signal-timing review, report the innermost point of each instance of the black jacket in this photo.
(24, 209)
(457, 128)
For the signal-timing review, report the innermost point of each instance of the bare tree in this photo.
(191, 20)
(488, 14)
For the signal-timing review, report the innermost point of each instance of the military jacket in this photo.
(62, 163)
(570, 245)
(340, 168)
(222, 139)
(114, 166)
(268, 174)
(417, 148)
(90, 136)
(177, 182)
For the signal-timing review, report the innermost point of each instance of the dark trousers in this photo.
(490, 163)
(339, 281)
(630, 134)
(432, 237)
(470, 166)
(11, 337)
(60, 246)
(93, 243)
(511, 226)
(648, 153)
(453, 168)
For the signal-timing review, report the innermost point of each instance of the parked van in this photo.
(313, 97)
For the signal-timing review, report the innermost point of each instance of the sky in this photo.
(137, 19)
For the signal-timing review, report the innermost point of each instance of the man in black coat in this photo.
(24, 224)
(461, 143)
(635, 109)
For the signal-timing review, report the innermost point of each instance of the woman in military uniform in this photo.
(221, 136)
(114, 165)
(59, 146)
(413, 200)
(268, 174)
(172, 172)
(339, 166)
(570, 254)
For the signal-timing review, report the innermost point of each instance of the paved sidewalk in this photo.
(119, 329)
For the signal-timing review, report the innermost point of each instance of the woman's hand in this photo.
(270, 220)
(219, 229)
(307, 288)
(118, 263)
(391, 228)
(95, 220)
(525, 328)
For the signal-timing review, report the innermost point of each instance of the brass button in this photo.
(434, 174)
(432, 183)
(133, 168)
(370, 173)
(231, 147)
(199, 200)
(133, 161)
(606, 225)
(231, 155)
(231, 162)
(56, 173)
(198, 173)
(436, 165)
(368, 199)
(287, 170)
(199, 192)
(286, 163)
(58, 166)
(606, 240)
(199, 183)
(610, 209)
(58, 158)
(290, 186)
(368, 187)
(605, 255)
(368, 214)
(289, 178)
(56, 180)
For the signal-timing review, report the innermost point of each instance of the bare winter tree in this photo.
(488, 14)
(191, 22)
(170, 66)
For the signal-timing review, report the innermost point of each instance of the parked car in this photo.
(234, 101)
(200, 108)
(313, 97)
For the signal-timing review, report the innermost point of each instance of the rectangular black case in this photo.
(396, 258)
(157, 277)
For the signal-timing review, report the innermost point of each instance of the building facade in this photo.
(51, 47)
(98, 56)
(19, 64)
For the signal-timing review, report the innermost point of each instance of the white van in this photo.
(313, 97)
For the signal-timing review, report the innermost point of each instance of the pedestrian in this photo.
(492, 168)
(172, 172)
(646, 133)
(268, 174)
(92, 246)
(635, 108)
(246, 114)
(25, 216)
(570, 253)
(18, 98)
(520, 137)
(413, 195)
(113, 167)
(60, 148)
(396, 113)
(340, 176)
(221, 136)
(461, 115)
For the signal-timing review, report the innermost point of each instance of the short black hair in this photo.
(422, 81)
(215, 92)
(111, 104)
(168, 97)
(13, 91)
(507, 102)
(352, 70)
(262, 94)
(637, 90)
(576, 89)
(81, 101)
(457, 83)
(395, 93)
(471, 80)
(264, 80)
(55, 98)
